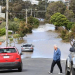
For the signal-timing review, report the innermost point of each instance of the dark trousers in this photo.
(58, 64)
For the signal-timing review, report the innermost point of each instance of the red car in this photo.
(10, 58)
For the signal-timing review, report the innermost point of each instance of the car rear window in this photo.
(8, 50)
(26, 45)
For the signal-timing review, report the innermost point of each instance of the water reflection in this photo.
(27, 54)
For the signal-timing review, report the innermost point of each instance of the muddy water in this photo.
(43, 38)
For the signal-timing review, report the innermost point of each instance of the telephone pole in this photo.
(31, 11)
(26, 16)
(6, 23)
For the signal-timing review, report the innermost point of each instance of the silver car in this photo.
(70, 63)
(27, 48)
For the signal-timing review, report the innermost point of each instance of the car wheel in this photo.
(66, 72)
(72, 72)
(20, 68)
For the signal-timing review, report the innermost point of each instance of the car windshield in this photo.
(8, 50)
(26, 45)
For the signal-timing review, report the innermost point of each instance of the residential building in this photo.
(33, 1)
(65, 1)
(49, 1)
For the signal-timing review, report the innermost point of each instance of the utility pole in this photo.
(68, 4)
(26, 16)
(31, 11)
(6, 23)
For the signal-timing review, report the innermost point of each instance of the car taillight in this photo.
(21, 48)
(31, 47)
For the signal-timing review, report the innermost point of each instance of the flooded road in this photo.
(43, 38)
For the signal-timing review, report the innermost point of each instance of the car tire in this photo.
(20, 68)
(72, 72)
(66, 72)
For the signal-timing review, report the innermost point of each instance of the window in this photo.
(8, 50)
(26, 45)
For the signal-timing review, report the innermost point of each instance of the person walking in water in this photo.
(56, 60)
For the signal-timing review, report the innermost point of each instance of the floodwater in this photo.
(43, 38)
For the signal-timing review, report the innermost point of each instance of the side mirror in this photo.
(72, 49)
(33, 45)
(21, 53)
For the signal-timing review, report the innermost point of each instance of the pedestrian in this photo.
(56, 60)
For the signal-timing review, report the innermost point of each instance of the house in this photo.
(49, 1)
(65, 1)
(33, 1)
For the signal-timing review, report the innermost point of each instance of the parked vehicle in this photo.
(70, 63)
(27, 48)
(10, 58)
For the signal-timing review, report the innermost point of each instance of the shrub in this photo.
(63, 34)
(59, 20)
(16, 35)
(33, 21)
(9, 32)
(16, 19)
(13, 26)
(69, 26)
(3, 24)
(2, 31)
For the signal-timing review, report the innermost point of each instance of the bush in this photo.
(2, 31)
(16, 19)
(59, 20)
(69, 26)
(33, 21)
(36, 22)
(13, 26)
(9, 32)
(65, 35)
(3, 24)
(16, 35)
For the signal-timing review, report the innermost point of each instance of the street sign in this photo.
(2, 15)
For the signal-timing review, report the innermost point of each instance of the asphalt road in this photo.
(35, 67)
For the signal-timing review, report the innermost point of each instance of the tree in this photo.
(13, 26)
(72, 5)
(42, 7)
(59, 20)
(69, 14)
(22, 29)
(33, 21)
(55, 7)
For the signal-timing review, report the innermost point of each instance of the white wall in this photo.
(53, 0)
(35, 2)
